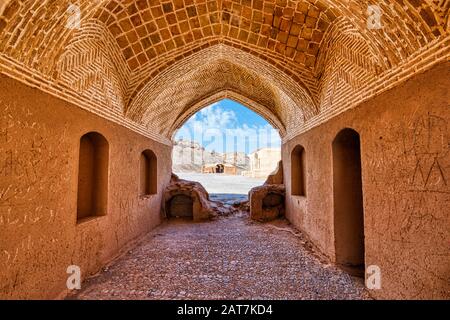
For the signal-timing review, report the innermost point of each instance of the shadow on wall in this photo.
(148, 175)
(92, 199)
(348, 202)
(298, 171)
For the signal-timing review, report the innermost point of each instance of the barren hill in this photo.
(190, 156)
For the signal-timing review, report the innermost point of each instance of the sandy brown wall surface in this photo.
(405, 147)
(39, 234)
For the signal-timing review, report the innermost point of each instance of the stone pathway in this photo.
(229, 258)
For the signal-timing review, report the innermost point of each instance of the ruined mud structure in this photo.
(267, 202)
(188, 199)
(91, 94)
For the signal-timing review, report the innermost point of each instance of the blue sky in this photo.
(228, 126)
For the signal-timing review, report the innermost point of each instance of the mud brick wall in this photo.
(405, 153)
(39, 234)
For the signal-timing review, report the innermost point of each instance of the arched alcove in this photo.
(298, 174)
(148, 173)
(348, 201)
(92, 196)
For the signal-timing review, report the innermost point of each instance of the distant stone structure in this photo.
(230, 169)
(190, 156)
(263, 162)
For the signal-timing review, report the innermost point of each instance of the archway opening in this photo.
(228, 148)
(220, 168)
(348, 202)
(181, 206)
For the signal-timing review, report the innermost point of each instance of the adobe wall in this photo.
(405, 147)
(39, 236)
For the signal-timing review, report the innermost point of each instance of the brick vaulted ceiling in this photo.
(150, 64)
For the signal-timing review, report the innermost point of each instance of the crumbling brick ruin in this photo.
(358, 91)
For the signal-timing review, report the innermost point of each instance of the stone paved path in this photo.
(229, 258)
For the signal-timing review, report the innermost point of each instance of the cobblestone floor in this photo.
(229, 258)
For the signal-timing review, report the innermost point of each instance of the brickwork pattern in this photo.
(148, 64)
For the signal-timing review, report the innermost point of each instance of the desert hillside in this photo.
(189, 156)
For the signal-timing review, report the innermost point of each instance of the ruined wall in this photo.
(405, 147)
(39, 234)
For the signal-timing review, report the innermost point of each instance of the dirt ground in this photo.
(228, 258)
(223, 184)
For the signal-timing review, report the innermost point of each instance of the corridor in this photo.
(228, 258)
(93, 99)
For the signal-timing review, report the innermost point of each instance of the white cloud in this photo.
(217, 129)
(215, 117)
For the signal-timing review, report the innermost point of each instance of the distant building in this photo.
(263, 162)
(224, 168)
(190, 156)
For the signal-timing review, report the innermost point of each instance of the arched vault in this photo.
(144, 63)
(232, 95)
(220, 69)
